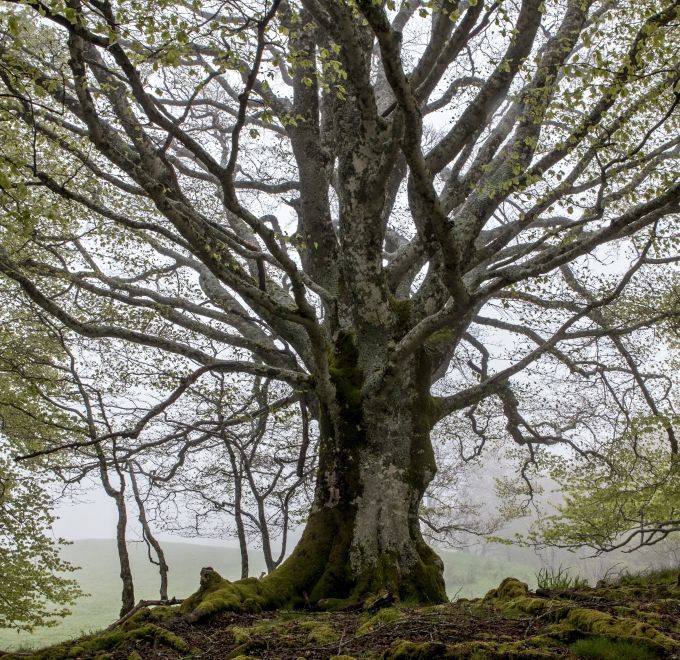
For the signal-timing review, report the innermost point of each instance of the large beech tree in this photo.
(407, 212)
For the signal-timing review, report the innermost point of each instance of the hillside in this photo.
(635, 619)
(466, 576)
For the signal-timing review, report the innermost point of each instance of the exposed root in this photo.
(142, 604)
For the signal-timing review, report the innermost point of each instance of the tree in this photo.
(48, 398)
(354, 198)
(56, 390)
(631, 500)
(33, 575)
(255, 466)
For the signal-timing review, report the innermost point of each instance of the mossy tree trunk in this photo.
(376, 460)
(362, 537)
(363, 534)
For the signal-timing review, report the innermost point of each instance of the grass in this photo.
(648, 576)
(604, 648)
(556, 579)
(466, 576)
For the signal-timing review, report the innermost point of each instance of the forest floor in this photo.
(637, 618)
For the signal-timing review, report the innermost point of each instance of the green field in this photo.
(466, 576)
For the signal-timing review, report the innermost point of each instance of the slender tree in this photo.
(355, 198)
(148, 535)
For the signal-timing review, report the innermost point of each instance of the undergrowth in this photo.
(559, 579)
(605, 622)
(667, 575)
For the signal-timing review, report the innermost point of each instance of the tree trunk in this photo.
(237, 472)
(128, 591)
(118, 496)
(376, 460)
(150, 539)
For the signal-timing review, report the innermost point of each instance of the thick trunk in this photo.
(376, 461)
(363, 535)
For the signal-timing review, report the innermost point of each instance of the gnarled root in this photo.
(318, 575)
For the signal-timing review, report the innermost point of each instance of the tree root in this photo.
(140, 606)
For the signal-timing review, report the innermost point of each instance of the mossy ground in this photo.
(631, 620)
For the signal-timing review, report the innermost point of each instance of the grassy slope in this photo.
(466, 576)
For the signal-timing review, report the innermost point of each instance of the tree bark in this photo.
(118, 496)
(376, 461)
(128, 591)
(237, 471)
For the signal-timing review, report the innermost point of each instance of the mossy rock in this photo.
(151, 614)
(508, 589)
(216, 594)
(241, 634)
(95, 644)
(320, 633)
(244, 634)
(592, 621)
(528, 605)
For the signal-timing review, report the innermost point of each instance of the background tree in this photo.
(148, 454)
(355, 199)
(35, 589)
(630, 500)
(239, 465)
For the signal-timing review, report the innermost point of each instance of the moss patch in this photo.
(604, 648)
(593, 621)
(509, 588)
(405, 650)
(320, 633)
(383, 616)
(93, 645)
